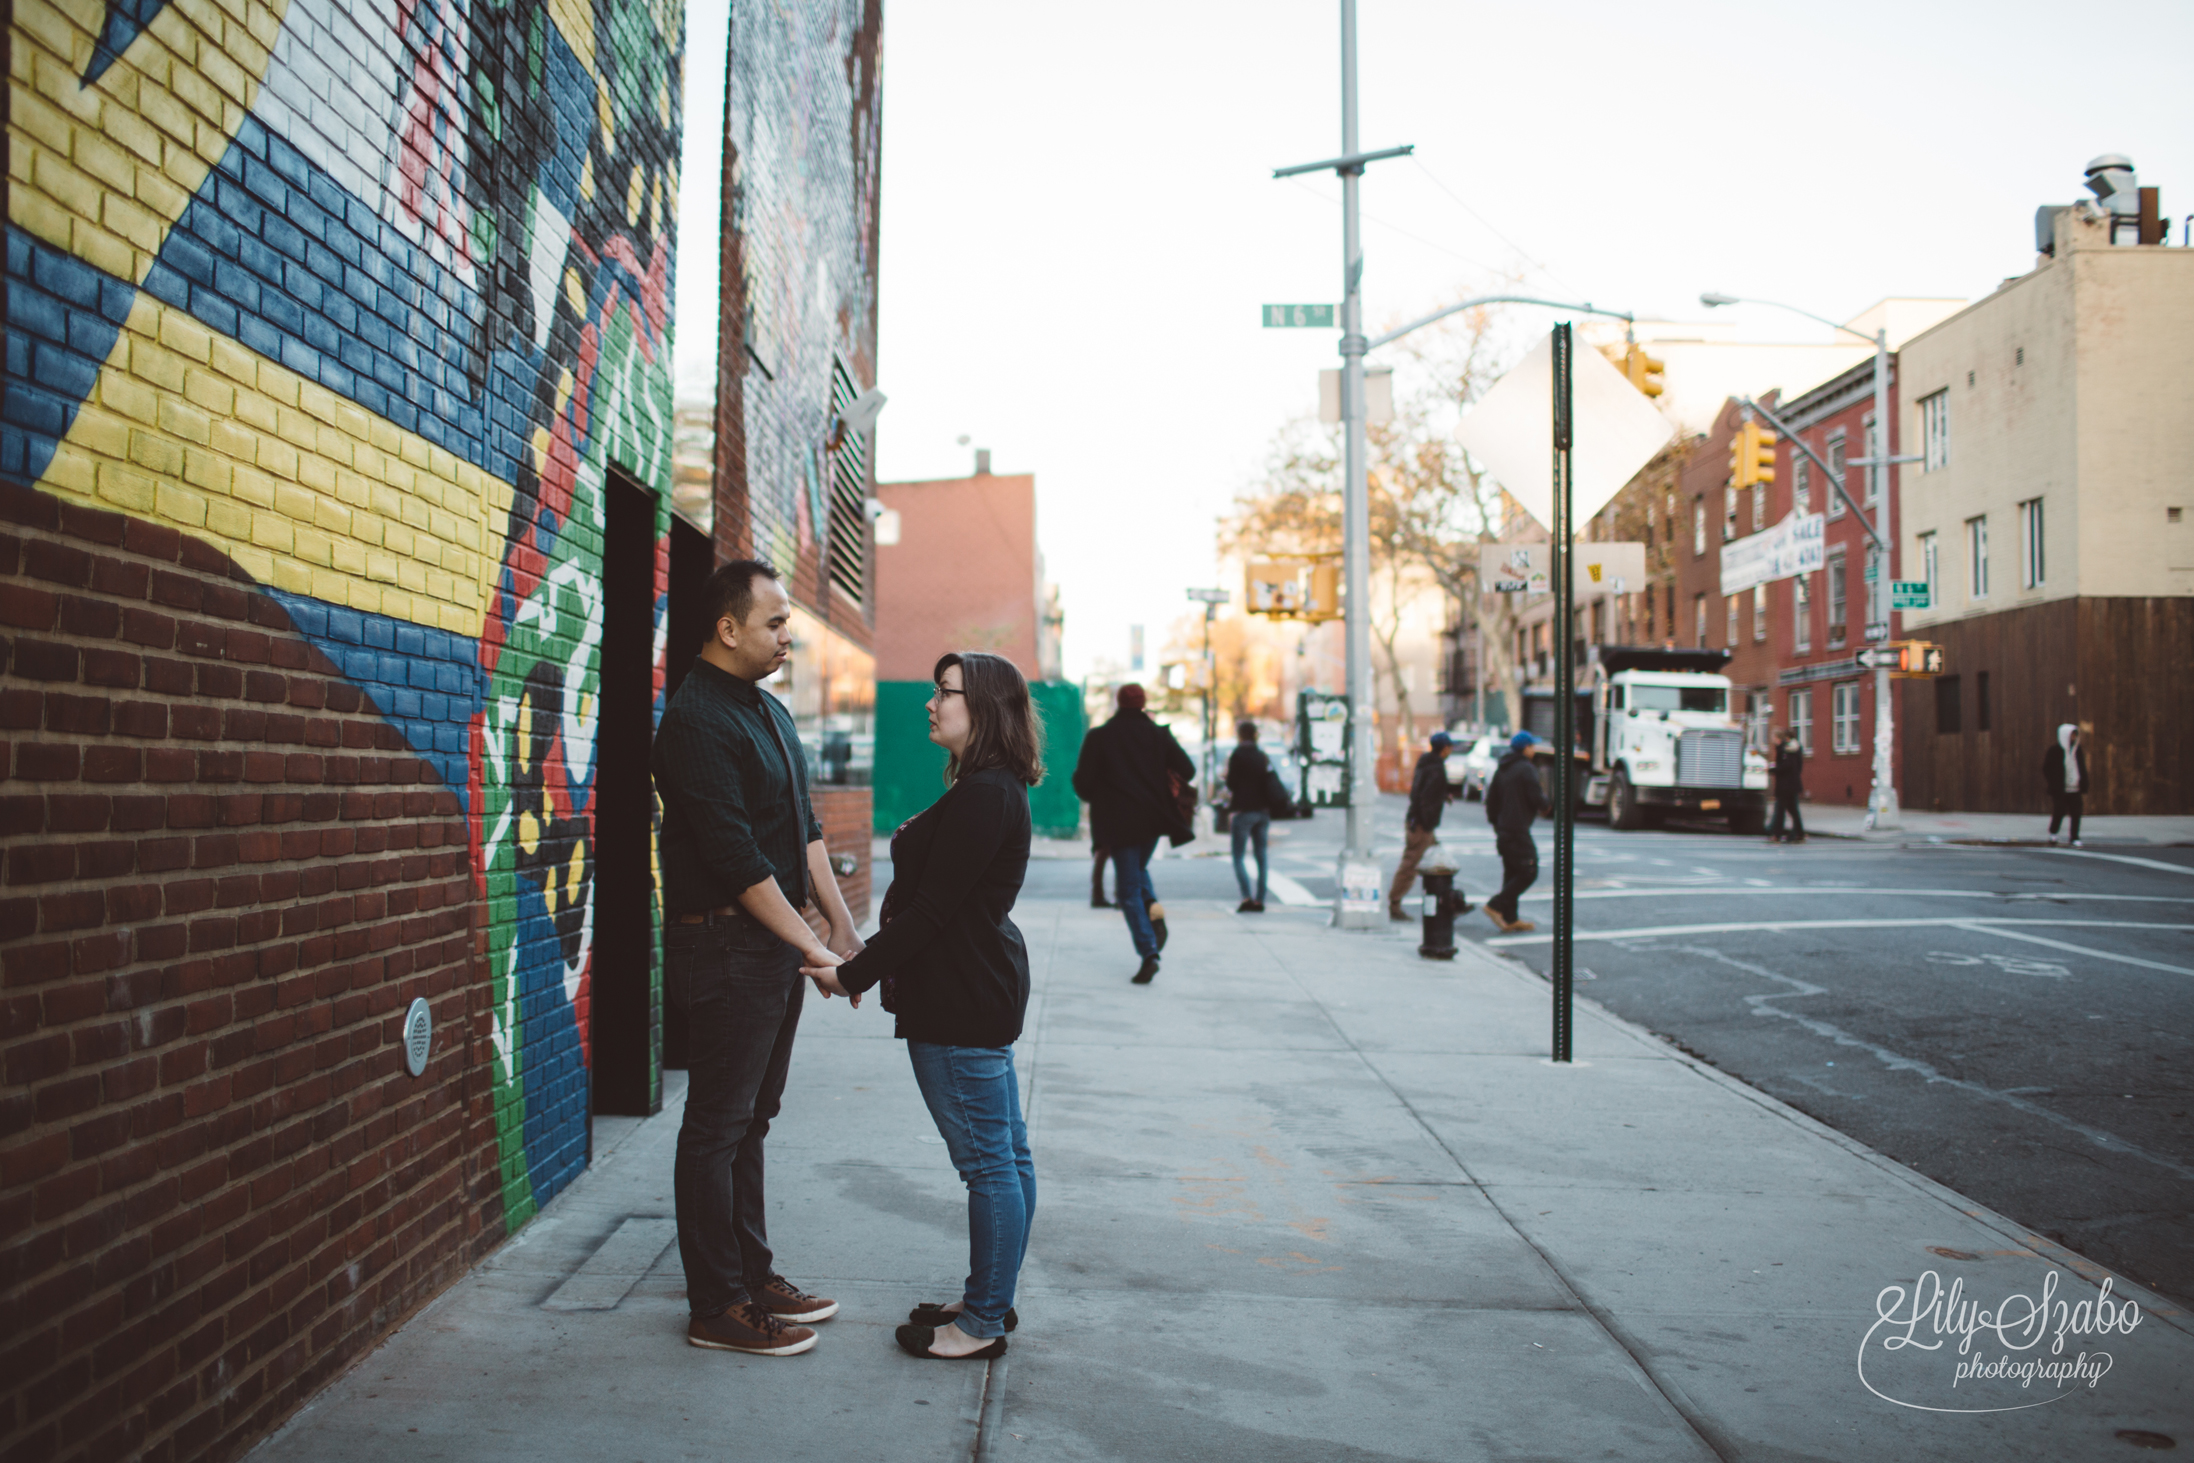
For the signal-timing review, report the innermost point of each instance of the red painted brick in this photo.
(242, 724)
(28, 608)
(223, 681)
(163, 942)
(21, 710)
(133, 903)
(199, 637)
(162, 855)
(148, 628)
(220, 766)
(168, 677)
(187, 896)
(178, 591)
(228, 602)
(43, 660)
(41, 863)
(147, 719)
(204, 557)
(170, 764)
(113, 764)
(45, 762)
(113, 668)
(79, 909)
(105, 859)
(57, 563)
(18, 918)
(249, 647)
(31, 964)
(98, 525)
(198, 723)
(78, 715)
(94, 619)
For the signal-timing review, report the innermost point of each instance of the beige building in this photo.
(2049, 513)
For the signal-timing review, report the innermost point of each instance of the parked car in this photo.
(1472, 768)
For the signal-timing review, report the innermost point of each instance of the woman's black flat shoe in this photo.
(916, 1340)
(929, 1313)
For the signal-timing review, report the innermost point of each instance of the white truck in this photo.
(1657, 737)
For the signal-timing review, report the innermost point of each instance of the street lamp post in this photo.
(1881, 803)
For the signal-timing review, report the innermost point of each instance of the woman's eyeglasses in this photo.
(950, 691)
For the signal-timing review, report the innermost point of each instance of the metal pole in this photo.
(1565, 700)
(1355, 494)
(1211, 689)
(1882, 810)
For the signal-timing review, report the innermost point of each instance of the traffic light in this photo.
(1274, 589)
(1324, 600)
(1919, 658)
(1752, 456)
(1642, 370)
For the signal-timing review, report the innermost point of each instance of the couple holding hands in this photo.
(742, 854)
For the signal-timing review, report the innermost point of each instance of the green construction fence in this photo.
(910, 769)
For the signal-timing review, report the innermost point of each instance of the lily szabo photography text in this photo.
(1937, 1348)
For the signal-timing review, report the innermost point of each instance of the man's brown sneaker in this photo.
(750, 1330)
(788, 1302)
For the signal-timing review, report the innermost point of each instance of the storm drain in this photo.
(613, 1269)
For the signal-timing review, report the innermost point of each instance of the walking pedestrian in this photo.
(1249, 794)
(1429, 792)
(742, 853)
(1128, 772)
(2064, 773)
(954, 970)
(1515, 798)
(1789, 775)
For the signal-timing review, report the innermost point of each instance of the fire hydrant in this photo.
(1442, 902)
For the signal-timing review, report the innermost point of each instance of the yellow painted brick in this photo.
(293, 576)
(316, 400)
(181, 505)
(126, 489)
(440, 585)
(250, 485)
(273, 532)
(412, 575)
(417, 451)
(353, 422)
(41, 217)
(277, 457)
(226, 76)
(100, 432)
(52, 29)
(71, 470)
(330, 516)
(263, 23)
(294, 503)
(335, 444)
(228, 519)
(368, 528)
(155, 365)
(128, 219)
(132, 131)
(415, 512)
(387, 502)
(279, 385)
(349, 556)
(352, 489)
(38, 118)
(332, 585)
(21, 154)
(156, 454)
(400, 540)
(460, 621)
(111, 252)
(178, 418)
(398, 604)
(55, 80)
(258, 563)
(443, 526)
(381, 568)
(205, 389)
(103, 160)
(313, 546)
(427, 489)
(364, 595)
(85, 15)
(366, 460)
(468, 533)
(386, 436)
(235, 362)
(233, 439)
(296, 428)
(159, 107)
(209, 470)
(317, 473)
(67, 185)
(157, 193)
(185, 336)
(127, 396)
(442, 462)
(255, 411)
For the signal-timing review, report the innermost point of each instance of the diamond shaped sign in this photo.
(1511, 430)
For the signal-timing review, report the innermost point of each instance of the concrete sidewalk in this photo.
(1307, 1197)
(1836, 820)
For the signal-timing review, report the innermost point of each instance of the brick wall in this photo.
(326, 324)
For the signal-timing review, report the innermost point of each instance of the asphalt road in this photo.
(2016, 1023)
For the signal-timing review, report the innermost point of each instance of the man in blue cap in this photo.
(1429, 791)
(1515, 799)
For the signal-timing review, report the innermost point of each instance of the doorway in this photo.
(692, 560)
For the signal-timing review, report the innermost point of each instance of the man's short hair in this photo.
(731, 590)
(1246, 730)
(1130, 697)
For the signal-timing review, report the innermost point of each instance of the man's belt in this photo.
(726, 915)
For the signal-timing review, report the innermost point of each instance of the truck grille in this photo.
(1710, 759)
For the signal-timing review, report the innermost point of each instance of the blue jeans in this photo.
(1132, 887)
(1247, 827)
(976, 1102)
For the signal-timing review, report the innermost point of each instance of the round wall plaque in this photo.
(418, 1036)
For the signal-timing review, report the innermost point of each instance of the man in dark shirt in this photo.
(1429, 791)
(1789, 787)
(1515, 799)
(1126, 774)
(742, 853)
(1249, 801)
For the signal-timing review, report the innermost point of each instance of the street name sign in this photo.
(1287, 317)
(1797, 545)
(1910, 594)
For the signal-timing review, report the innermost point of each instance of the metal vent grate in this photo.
(848, 553)
(1710, 758)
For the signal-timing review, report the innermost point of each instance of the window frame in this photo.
(1801, 614)
(1698, 614)
(1836, 453)
(2033, 531)
(1839, 597)
(1934, 409)
(1698, 525)
(1759, 613)
(1844, 717)
(1976, 557)
(1801, 719)
(1931, 568)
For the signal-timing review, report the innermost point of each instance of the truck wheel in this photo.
(1747, 822)
(1624, 812)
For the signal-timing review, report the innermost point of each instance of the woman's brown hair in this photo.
(1002, 727)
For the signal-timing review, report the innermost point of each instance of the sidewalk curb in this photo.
(2153, 1306)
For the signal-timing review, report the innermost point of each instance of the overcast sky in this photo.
(1079, 222)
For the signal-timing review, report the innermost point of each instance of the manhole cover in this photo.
(418, 1036)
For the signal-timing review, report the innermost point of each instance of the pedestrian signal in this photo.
(1752, 456)
(1274, 589)
(1920, 658)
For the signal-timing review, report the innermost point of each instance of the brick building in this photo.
(334, 471)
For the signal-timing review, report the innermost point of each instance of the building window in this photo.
(1836, 603)
(1844, 708)
(1801, 719)
(1976, 554)
(1729, 514)
(1980, 701)
(1698, 526)
(1836, 473)
(1801, 468)
(1729, 631)
(2030, 544)
(848, 523)
(1873, 449)
(1929, 564)
(1935, 431)
(1946, 706)
(1759, 612)
(1801, 613)
(1698, 618)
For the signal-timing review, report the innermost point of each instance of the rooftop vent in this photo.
(2134, 214)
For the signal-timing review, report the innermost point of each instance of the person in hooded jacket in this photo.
(1515, 799)
(1429, 794)
(1125, 775)
(2064, 773)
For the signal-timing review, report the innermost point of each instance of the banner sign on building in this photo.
(1797, 545)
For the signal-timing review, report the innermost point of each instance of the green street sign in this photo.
(1315, 317)
(1909, 594)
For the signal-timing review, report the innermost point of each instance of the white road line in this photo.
(1658, 931)
(1289, 891)
(1983, 927)
(1841, 891)
(2116, 858)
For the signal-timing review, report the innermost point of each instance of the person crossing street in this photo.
(1515, 799)
(1429, 792)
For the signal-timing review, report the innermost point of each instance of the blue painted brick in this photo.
(411, 640)
(37, 312)
(19, 253)
(282, 311)
(35, 410)
(266, 186)
(347, 626)
(66, 373)
(300, 357)
(433, 708)
(287, 161)
(310, 616)
(380, 632)
(342, 312)
(257, 334)
(302, 285)
(402, 702)
(210, 307)
(337, 377)
(236, 203)
(236, 285)
(188, 257)
(262, 261)
(165, 285)
(65, 278)
(284, 237)
(19, 354)
(14, 452)
(358, 665)
(326, 194)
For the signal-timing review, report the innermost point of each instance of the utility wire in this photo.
(1397, 228)
(1491, 228)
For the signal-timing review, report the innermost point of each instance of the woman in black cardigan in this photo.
(955, 972)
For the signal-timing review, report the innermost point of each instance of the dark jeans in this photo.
(1250, 828)
(1519, 871)
(1131, 886)
(2063, 805)
(1786, 802)
(740, 989)
(976, 1101)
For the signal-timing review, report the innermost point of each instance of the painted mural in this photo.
(370, 295)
